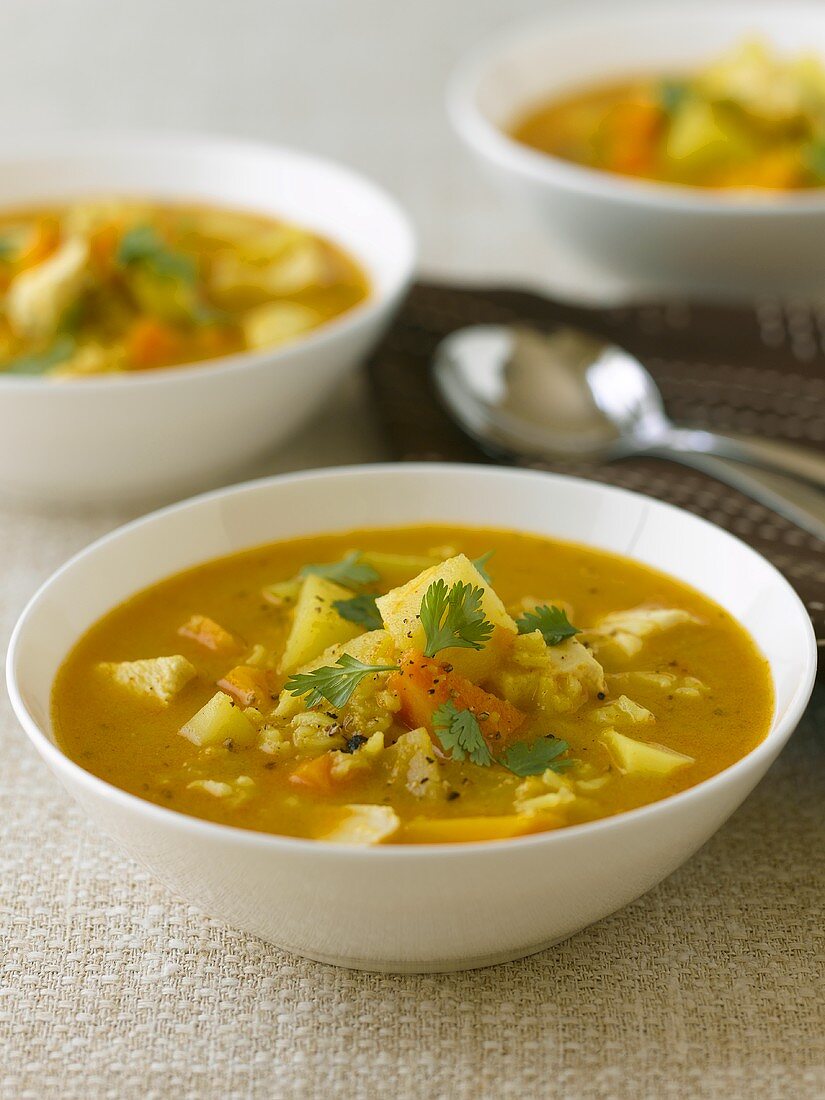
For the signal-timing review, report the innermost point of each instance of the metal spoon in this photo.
(571, 395)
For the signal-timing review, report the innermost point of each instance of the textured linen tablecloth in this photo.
(711, 984)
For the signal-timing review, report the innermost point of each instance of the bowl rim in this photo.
(493, 143)
(773, 743)
(57, 146)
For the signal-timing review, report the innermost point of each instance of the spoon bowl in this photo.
(570, 395)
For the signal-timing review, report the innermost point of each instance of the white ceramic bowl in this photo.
(157, 435)
(433, 907)
(668, 238)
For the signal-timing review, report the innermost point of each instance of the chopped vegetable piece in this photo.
(315, 774)
(217, 721)
(317, 624)
(401, 611)
(423, 685)
(248, 686)
(643, 758)
(209, 634)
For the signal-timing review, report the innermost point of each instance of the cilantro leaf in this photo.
(453, 618)
(523, 759)
(459, 733)
(142, 244)
(335, 683)
(351, 571)
(360, 609)
(461, 736)
(672, 95)
(480, 564)
(814, 157)
(551, 621)
(41, 362)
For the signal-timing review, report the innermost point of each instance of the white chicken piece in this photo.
(156, 678)
(39, 297)
(363, 824)
(627, 630)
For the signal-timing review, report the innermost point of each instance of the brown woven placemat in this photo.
(758, 369)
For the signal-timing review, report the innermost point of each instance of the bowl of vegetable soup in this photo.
(175, 307)
(680, 147)
(412, 718)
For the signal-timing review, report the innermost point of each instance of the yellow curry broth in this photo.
(108, 286)
(750, 119)
(135, 744)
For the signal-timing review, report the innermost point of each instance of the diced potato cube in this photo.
(316, 624)
(211, 635)
(400, 610)
(363, 824)
(248, 686)
(158, 678)
(643, 759)
(217, 721)
(277, 322)
(623, 710)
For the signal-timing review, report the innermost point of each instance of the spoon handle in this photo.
(801, 503)
(785, 458)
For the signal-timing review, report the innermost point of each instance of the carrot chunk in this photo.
(211, 635)
(316, 774)
(151, 343)
(423, 685)
(248, 686)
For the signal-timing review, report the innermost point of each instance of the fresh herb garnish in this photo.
(480, 564)
(143, 245)
(551, 621)
(8, 247)
(43, 361)
(672, 95)
(814, 157)
(360, 609)
(524, 759)
(453, 619)
(461, 736)
(335, 683)
(351, 571)
(459, 733)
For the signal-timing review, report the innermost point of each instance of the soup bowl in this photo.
(156, 435)
(426, 907)
(659, 237)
